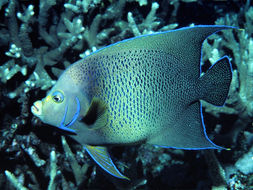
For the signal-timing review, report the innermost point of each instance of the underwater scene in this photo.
(126, 94)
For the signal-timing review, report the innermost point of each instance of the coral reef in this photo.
(39, 39)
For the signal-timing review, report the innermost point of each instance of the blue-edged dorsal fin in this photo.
(102, 158)
(183, 44)
(186, 132)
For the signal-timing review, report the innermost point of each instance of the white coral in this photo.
(26, 16)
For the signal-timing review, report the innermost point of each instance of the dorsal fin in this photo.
(183, 44)
(96, 116)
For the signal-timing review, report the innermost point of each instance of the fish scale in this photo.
(142, 90)
(149, 99)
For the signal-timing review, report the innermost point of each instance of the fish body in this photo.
(141, 90)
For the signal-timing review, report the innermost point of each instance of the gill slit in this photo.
(66, 127)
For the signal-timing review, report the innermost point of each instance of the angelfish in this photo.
(145, 89)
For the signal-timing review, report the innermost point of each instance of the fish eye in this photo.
(57, 97)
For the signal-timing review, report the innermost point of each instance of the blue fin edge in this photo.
(202, 119)
(204, 128)
(123, 177)
(222, 27)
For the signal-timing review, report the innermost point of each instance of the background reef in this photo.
(39, 39)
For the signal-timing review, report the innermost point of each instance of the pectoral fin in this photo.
(96, 116)
(102, 158)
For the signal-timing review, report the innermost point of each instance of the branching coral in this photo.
(82, 6)
(79, 172)
(22, 51)
(68, 30)
(53, 170)
(16, 183)
(149, 24)
(39, 39)
(56, 176)
(240, 43)
(245, 163)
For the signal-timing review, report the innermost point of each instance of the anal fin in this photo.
(186, 132)
(102, 158)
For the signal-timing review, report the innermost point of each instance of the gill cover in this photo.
(64, 126)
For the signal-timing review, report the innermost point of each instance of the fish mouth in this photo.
(36, 108)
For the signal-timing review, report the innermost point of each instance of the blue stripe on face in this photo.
(76, 114)
(66, 127)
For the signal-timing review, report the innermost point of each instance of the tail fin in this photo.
(215, 83)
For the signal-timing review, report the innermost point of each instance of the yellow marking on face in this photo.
(48, 98)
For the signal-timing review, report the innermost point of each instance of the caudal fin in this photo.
(215, 83)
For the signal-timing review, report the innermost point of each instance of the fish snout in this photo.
(36, 108)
